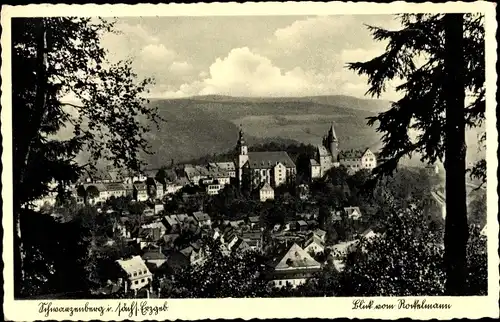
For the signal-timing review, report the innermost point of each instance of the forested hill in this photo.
(207, 125)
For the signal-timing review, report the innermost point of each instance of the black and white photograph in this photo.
(318, 154)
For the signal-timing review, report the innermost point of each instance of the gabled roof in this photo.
(99, 186)
(201, 216)
(171, 220)
(140, 186)
(313, 239)
(314, 163)
(153, 255)
(187, 251)
(134, 264)
(319, 232)
(181, 217)
(114, 186)
(265, 187)
(268, 159)
(301, 223)
(254, 219)
(296, 258)
(351, 210)
(322, 151)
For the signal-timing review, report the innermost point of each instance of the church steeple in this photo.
(242, 147)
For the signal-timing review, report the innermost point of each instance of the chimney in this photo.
(125, 284)
(159, 249)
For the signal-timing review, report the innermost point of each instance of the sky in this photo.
(249, 56)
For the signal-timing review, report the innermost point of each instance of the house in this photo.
(173, 187)
(369, 234)
(228, 236)
(194, 256)
(140, 191)
(237, 223)
(312, 224)
(135, 271)
(314, 245)
(171, 223)
(315, 169)
(320, 233)
(254, 221)
(182, 218)
(253, 239)
(353, 213)
(336, 215)
(266, 192)
(214, 189)
(156, 225)
(294, 268)
(154, 258)
(339, 251)
(95, 192)
(301, 225)
(203, 219)
(154, 189)
(240, 245)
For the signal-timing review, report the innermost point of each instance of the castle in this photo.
(258, 168)
(328, 156)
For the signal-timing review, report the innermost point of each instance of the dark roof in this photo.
(153, 255)
(352, 154)
(201, 216)
(269, 159)
(113, 186)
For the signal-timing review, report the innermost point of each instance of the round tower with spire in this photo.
(333, 143)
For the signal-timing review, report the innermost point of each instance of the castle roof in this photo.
(323, 152)
(353, 154)
(269, 159)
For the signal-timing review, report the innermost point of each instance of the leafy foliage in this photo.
(416, 55)
(55, 58)
(221, 275)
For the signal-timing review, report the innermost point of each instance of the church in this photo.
(256, 168)
(328, 156)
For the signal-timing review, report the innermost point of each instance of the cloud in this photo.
(156, 53)
(180, 68)
(307, 56)
(245, 73)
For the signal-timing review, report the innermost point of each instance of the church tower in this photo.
(242, 154)
(333, 143)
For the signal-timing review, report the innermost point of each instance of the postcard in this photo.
(249, 161)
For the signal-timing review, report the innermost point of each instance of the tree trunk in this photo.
(38, 112)
(456, 228)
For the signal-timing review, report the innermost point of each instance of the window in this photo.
(135, 273)
(136, 282)
(279, 283)
(142, 280)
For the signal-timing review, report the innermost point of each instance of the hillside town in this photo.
(175, 224)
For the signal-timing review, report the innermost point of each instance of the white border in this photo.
(462, 307)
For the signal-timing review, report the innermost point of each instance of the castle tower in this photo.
(333, 143)
(242, 154)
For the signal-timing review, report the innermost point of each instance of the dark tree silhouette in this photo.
(433, 105)
(53, 58)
